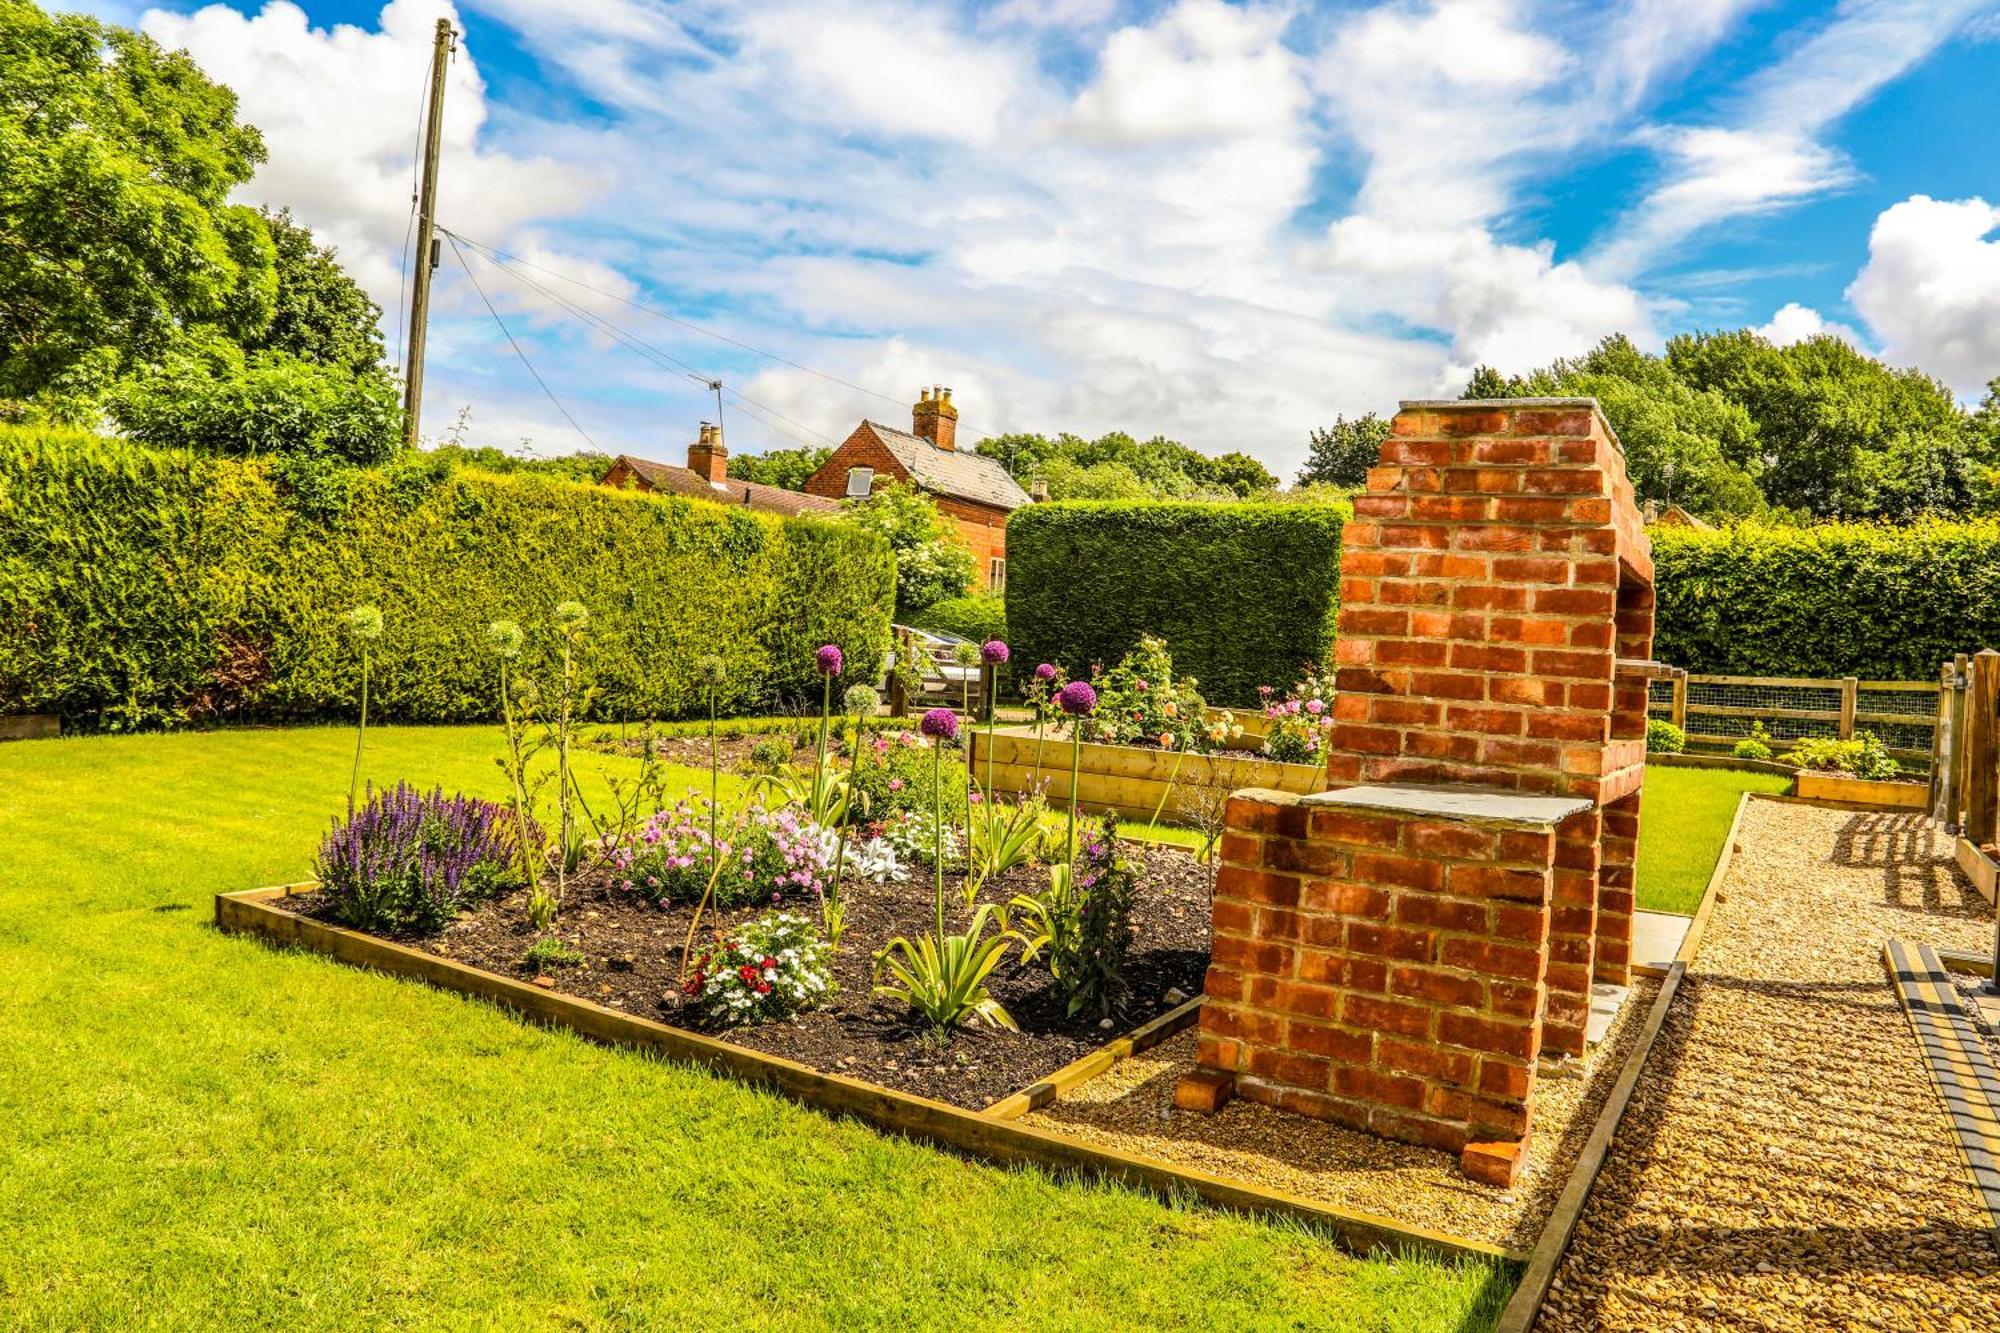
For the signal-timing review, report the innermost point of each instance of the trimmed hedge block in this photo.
(141, 588)
(1244, 594)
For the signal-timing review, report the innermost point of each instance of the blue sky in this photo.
(1220, 222)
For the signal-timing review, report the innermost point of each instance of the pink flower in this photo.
(1315, 707)
(895, 784)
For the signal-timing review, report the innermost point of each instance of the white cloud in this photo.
(1931, 288)
(1795, 323)
(1205, 71)
(1769, 154)
(338, 109)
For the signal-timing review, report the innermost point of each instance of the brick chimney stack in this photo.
(935, 419)
(706, 456)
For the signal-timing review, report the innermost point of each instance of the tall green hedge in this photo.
(143, 588)
(1244, 594)
(1835, 599)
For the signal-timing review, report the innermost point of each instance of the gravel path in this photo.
(1785, 1163)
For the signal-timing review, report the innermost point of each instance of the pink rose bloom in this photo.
(1315, 707)
(895, 784)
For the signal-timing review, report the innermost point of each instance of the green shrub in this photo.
(1757, 745)
(976, 618)
(146, 588)
(1864, 756)
(1246, 594)
(1831, 600)
(548, 952)
(1663, 737)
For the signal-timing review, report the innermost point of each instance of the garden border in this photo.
(1084, 1068)
(973, 1133)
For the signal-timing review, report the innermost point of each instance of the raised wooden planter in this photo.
(1131, 779)
(1861, 791)
(29, 726)
(992, 1135)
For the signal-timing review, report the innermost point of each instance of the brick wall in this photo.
(1402, 975)
(982, 527)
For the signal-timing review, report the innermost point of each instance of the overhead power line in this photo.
(499, 254)
(762, 412)
(474, 279)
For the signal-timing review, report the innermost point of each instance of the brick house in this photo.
(976, 492)
(706, 477)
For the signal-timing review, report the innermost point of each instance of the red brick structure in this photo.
(1396, 954)
(706, 477)
(976, 492)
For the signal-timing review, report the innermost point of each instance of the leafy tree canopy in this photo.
(788, 468)
(932, 560)
(1118, 467)
(1341, 454)
(1730, 424)
(130, 283)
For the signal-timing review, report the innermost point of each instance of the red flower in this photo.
(748, 973)
(763, 988)
(770, 964)
(693, 986)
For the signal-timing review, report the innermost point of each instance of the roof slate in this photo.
(753, 494)
(949, 472)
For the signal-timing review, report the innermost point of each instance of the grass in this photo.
(204, 1131)
(1683, 821)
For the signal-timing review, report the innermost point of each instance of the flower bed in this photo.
(630, 951)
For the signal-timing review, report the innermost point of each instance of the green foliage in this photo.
(1757, 745)
(1118, 467)
(116, 163)
(319, 313)
(943, 977)
(1081, 925)
(146, 588)
(1246, 594)
(978, 619)
(1728, 423)
(1341, 454)
(212, 398)
(1831, 600)
(789, 468)
(932, 561)
(1864, 756)
(1663, 737)
(1140, 700)
(584, 465)
(768, 968)
(894, 777)
(549, 952)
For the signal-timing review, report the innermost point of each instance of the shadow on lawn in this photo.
(1917, 870)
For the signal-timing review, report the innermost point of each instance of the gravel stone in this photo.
(1785, 1163)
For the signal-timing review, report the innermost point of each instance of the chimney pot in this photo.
(935, 419)
(706, 456)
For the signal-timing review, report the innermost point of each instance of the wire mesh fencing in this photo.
(1718, 711)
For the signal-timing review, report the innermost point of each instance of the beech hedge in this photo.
(144, 588)
(1244, 594)
(1870, 600)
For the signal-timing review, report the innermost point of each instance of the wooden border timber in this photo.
(1851, 791)
(1525, 1306)
(1978, 867)
(977, 1135)
(1082, 1070)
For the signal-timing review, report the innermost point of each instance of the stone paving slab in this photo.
(1785, 1162)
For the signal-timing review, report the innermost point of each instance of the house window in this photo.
(859, 480)
(996, 574)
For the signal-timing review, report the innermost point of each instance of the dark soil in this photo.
(632, 952)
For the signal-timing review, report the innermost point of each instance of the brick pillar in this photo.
(1572, 933)
(1615, 894)
(1382, 968)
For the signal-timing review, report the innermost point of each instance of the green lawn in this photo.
(202, 1131)
(1683, 820)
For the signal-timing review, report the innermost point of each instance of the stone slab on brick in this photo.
(1459, 804)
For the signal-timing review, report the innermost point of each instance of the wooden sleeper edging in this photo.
(973, 1133)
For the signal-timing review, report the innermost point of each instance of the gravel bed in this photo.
(1130, 1107)
(1785, 1163)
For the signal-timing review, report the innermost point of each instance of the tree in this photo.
(584, 465)
(1341, 454)
(788, 468)
(209, 395)
(1118, 467)
(932, 561)
(1243, 474)
(116, 162)
(320, 313)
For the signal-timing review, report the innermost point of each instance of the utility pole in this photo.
(420, 291)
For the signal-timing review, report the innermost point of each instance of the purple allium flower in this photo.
(1045, 672)
(829, 660)
(993, 653)
(1077, 698)
(940, 724)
